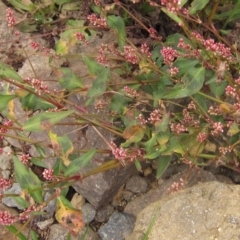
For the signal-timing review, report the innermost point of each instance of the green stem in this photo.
(209, 97)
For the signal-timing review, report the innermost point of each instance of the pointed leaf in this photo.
(172, 15)
(45, 120)
(62, 146)
(4, 99)
(78, 163)
(102, 75)
(134, 133)
(68, 79)
(197, 5)
(69, 217)
(193, 79)
(117, 24)
(162, 164)
(184, 64)
(28, 180)
(7, 72)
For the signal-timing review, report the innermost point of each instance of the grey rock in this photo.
(128, 195)
(88, 213)
(5, 158)
(58, 232)
(208, 210)
(135, 206)
(101, 188)
(44, 224)
(137, 184)
(51, 207)
(6, 174)
(104, 213)
(119, 226)
(10, 201)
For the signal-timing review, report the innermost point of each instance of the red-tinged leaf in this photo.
(69, 217)
(62, 146)
(78, 163)
(134, 133)
(45, 120)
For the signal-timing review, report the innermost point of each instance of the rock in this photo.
(6, 174)
(51, 207)
(128, 195)
(88, 213)
(137, 184)
(58, 232)
(10, 201)
(44, 224)
(99, 189)
(205, 211)
(135, 206)
(104, 213)
(119, 226)
(6, 158)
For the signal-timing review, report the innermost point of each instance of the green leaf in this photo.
(78, 163)
(32, 102)
(45, 120)
(184, 64)
(38, 162)
(193, 82)
(118, 103)
(172, 15)
(4, 99)
(28, 180)
(63, 146)
(16, 232)
(197, 5)
(7, 72)
(102, 73)
(162, 164)
(33, 235)
(18, 5)
(218, 88)
(138, 165)
(69, 80)
(117, 24)
(153, 154)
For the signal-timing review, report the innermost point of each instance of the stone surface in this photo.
(58, 232)
(118, 227)
(161, 190)
(104, 213)
(137, 184)
(88, 213)
(10, 201)
(208, 210)
(44, 224)
(6, 158)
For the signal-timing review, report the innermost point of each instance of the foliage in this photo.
(179, 98)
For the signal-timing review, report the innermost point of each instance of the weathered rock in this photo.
(10, 201)
(88, 213)
(137, 184)
(135, 206)
(44, 224)
(118, 227)
(205, 211)
(5, 158)
(104, 213)
(101, 188)
(58, 232)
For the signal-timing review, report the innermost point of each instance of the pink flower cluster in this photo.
(154, 117)
(131, 55)
(7, 123)
(26, 214)
(201, 137)
(25, 158)
(6, 218)
(145, 50)
(169, 54)
(48, 174)
(11, 20)
(172, 5)
(130, 92)
(99, 22)
(38, 85)
(178, 128)
(153, 34)
(217, 128)
(5, 183)
(176, 186)
(81, 37)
